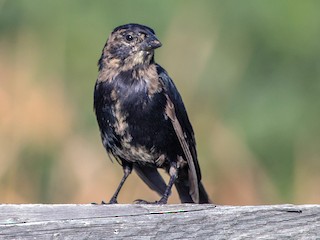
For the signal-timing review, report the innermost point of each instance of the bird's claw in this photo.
(112, 201)
(141, 201)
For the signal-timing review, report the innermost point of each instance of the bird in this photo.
(142, 119)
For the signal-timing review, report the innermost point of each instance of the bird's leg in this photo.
(173, 172)
(127, 169)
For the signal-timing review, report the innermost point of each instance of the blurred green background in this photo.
(248, 71)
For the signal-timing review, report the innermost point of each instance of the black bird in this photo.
(142, 119)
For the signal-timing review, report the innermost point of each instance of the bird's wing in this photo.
(177, 113)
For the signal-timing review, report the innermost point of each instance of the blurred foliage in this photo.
(249, 73)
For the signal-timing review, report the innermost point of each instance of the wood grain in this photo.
(183, 221)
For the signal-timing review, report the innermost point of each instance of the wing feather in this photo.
(193, 179)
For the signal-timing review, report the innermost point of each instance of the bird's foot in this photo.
(112, 201)
(141, 201)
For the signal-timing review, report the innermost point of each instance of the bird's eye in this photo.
(129, 38)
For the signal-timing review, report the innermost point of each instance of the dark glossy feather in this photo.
(142, 119)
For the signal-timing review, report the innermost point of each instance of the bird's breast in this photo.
(133, 104)
(138, 123)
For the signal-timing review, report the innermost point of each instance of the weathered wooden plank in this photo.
(183, 221)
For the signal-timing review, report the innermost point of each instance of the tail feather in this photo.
(185, 197)
(203, 196)
(154, 180)
(151, 177)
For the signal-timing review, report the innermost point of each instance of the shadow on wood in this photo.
(183, 221)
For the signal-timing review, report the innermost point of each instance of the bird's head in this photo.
(130, 45)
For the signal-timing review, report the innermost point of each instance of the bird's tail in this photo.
(151, 177)
(185, 197)
(154, 180)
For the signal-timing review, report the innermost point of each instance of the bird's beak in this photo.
(151, 43)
